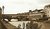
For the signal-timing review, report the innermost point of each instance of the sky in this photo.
(21, 6)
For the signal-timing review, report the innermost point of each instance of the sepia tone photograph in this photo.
(24, 14)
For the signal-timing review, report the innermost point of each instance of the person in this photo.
(28, 25)
(33, 25)
(19, 27)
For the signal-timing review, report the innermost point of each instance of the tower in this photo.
(3, 9)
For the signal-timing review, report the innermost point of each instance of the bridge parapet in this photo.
(8, 25)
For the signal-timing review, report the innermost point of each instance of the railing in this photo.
(7, 25)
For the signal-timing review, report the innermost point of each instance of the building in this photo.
(31, 15)
(36, 14)
(47, 10)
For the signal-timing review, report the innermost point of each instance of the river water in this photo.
(14, 22)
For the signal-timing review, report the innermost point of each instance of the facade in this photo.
(31, 15)
(36, 14)
(47, 10)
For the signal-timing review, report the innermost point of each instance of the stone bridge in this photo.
(14, 16)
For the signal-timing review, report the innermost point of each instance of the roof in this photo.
(38, 10)
(10, 14)
(47, 5)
